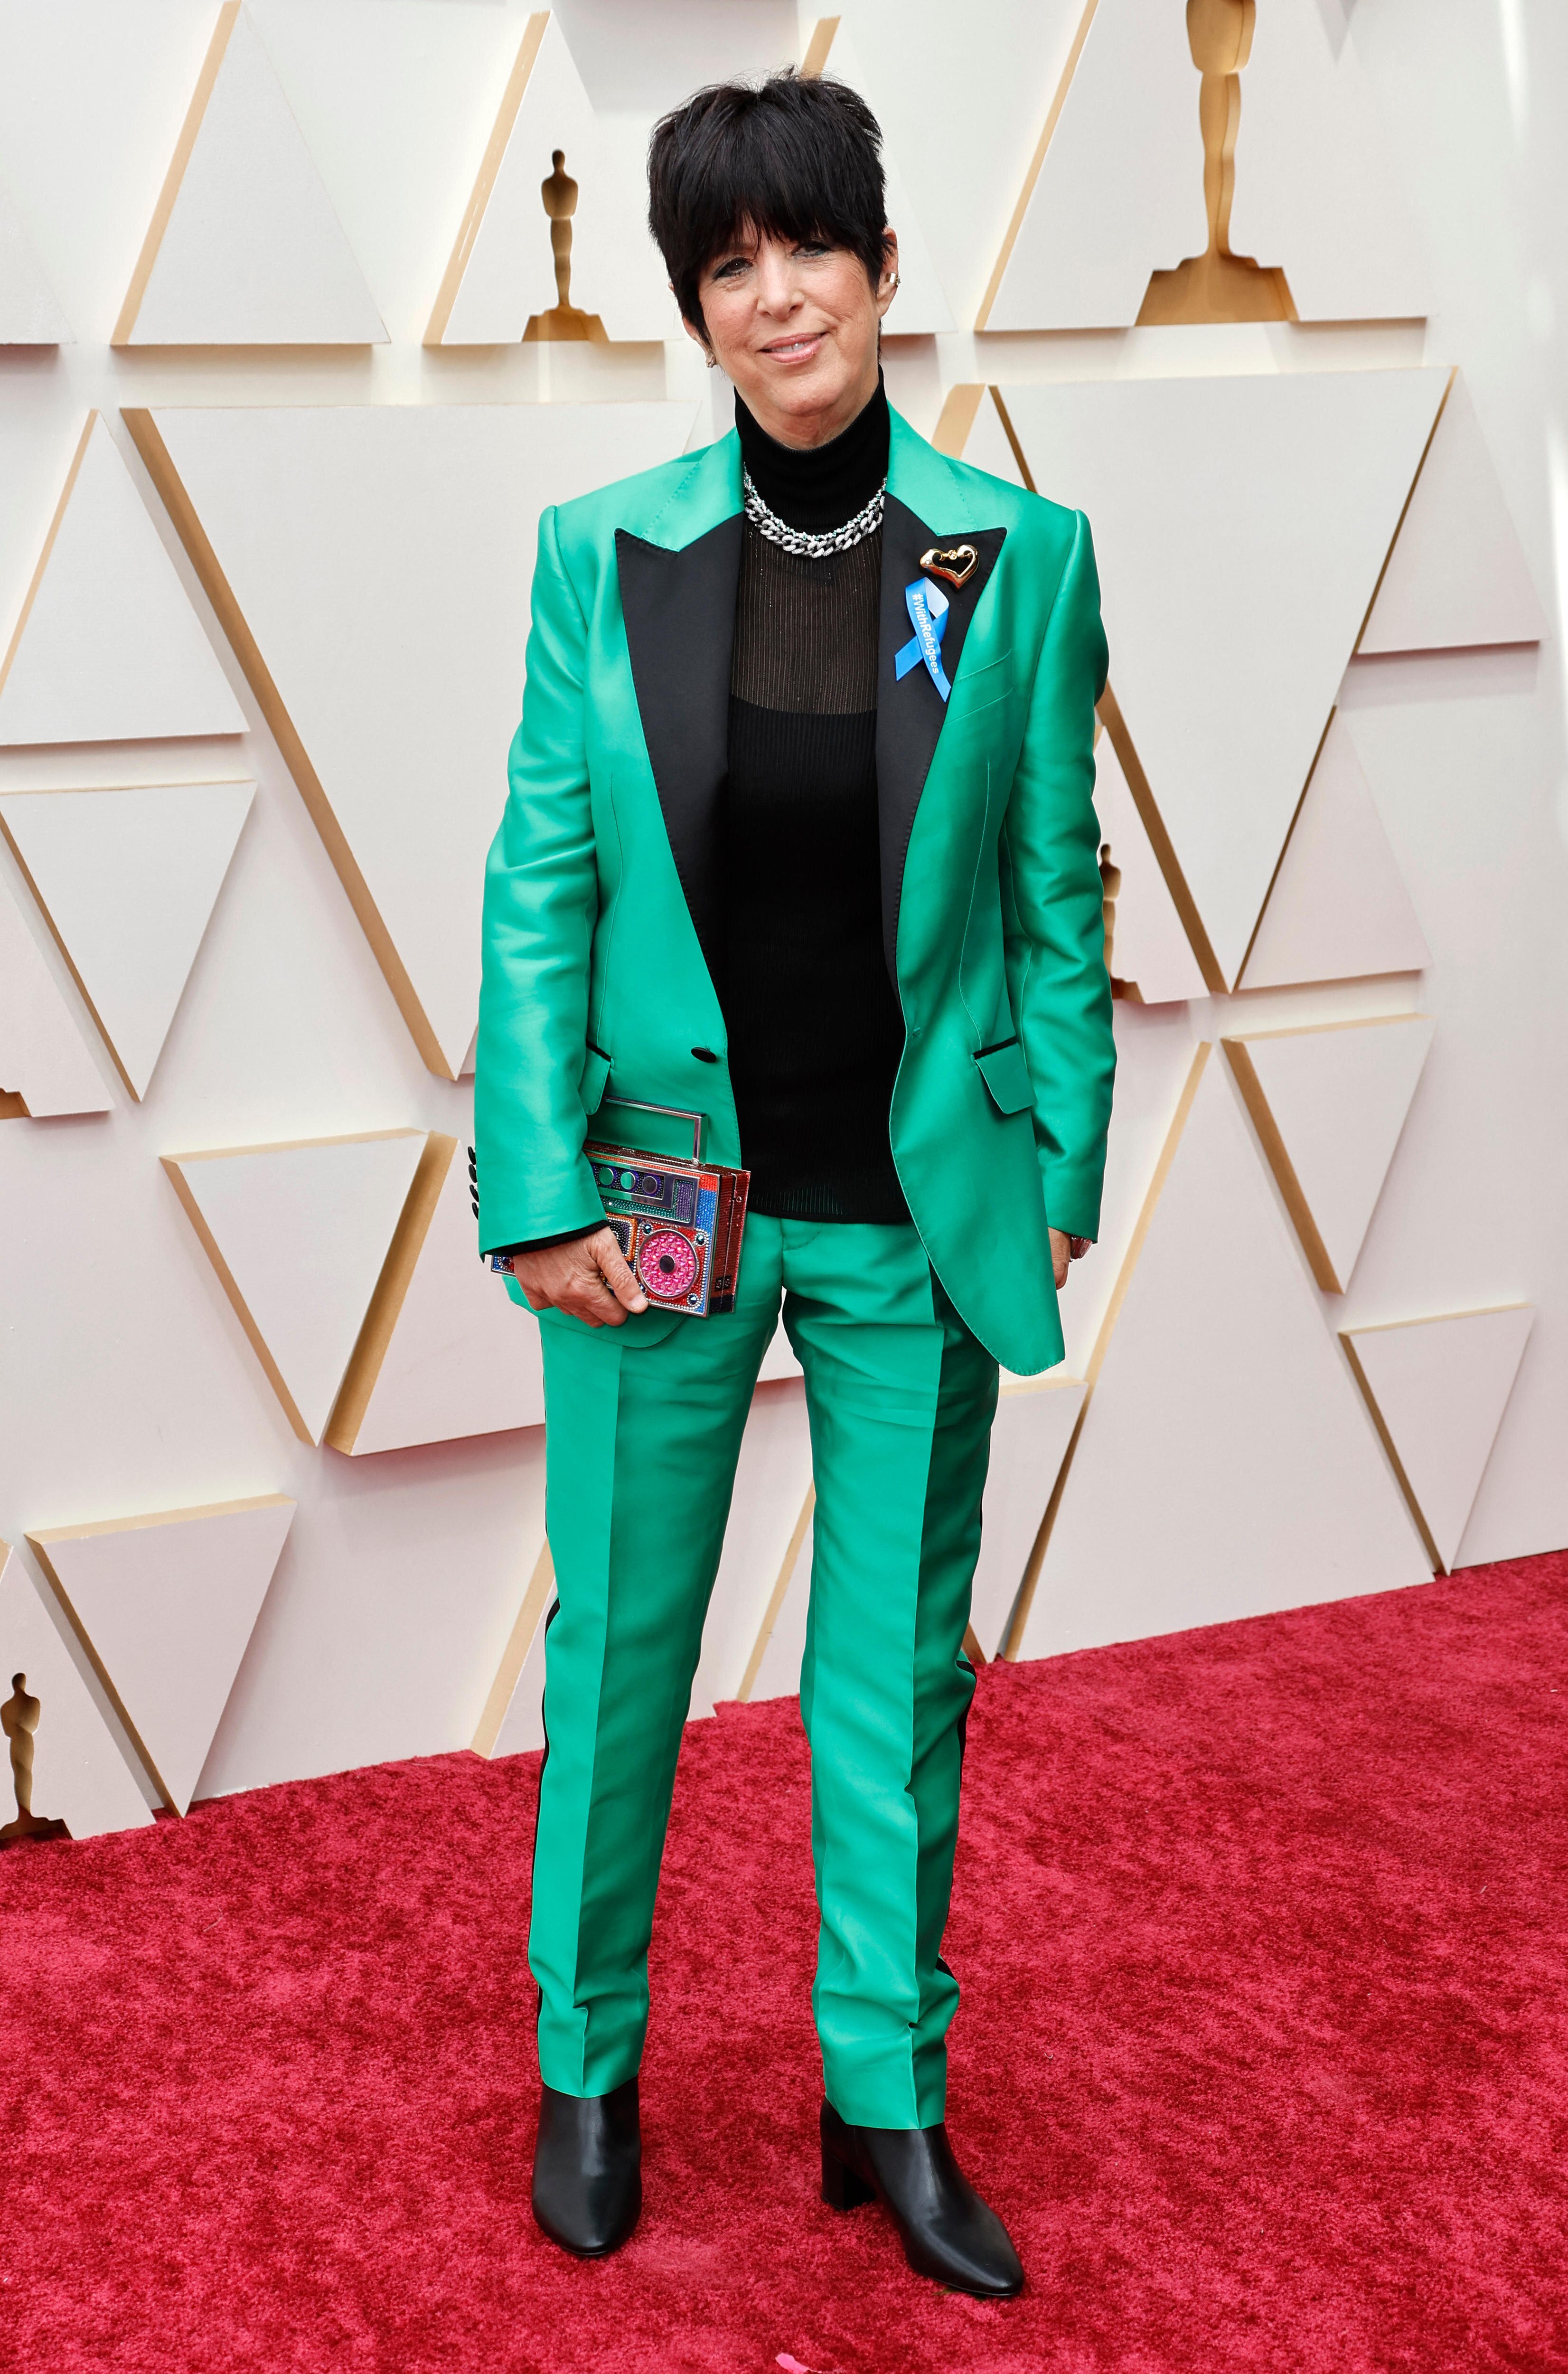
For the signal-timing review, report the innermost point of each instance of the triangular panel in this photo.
(501, 273)
(1338, 909)
(1035, 1422)
(1458, 573)
(128, 880)
(1115, 187)
(164, 1606)
(1437, 1389)
(80, 1773)
(30, 312)
(920, 308)
(443, 1352)
(1260, 1484)
(44, 1065)
(244, 248)
(298, 1234)
(107, 648)
(1241, 525)
(1328, 1104)
(365, 560)
(1148, 952)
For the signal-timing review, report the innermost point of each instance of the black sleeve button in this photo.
(705, 1054)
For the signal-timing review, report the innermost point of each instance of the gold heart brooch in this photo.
(956, 562)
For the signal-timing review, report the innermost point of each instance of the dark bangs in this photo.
(797, 158)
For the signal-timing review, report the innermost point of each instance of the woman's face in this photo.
(795, 327)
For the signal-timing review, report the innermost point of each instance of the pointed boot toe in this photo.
(948, 2232)
(588, 2169)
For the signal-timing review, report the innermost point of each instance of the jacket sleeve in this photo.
(541, 904)
(1052, 904)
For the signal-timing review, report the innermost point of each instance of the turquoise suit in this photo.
(600, 919)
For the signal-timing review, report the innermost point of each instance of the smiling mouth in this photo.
(791, 349)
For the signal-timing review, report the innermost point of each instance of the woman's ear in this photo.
(693, 332)
(887, 286)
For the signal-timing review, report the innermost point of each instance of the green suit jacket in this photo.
(602, 884)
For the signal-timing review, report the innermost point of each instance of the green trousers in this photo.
(642, 1442)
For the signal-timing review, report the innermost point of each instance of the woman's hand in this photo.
(587, 1277)
(1065, 1249)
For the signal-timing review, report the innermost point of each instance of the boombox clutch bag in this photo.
(678, 1223)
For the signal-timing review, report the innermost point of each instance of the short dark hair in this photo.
(798, 157)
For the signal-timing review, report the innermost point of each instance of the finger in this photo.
(615, 1272)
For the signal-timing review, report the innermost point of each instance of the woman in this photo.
(799, 838)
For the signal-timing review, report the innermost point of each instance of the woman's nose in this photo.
(777, 289)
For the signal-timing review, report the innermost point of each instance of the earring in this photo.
(713, 362)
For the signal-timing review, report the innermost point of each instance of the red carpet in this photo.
(1264, 2051)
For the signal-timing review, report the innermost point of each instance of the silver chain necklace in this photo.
(820, 544)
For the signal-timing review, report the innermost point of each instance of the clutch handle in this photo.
(671, 1112)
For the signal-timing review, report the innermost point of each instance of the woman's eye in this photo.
(730, 269)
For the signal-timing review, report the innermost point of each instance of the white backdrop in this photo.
(1227, 1460)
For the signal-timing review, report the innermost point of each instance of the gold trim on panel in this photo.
(484, 180)
(1026, 1589)
(30, 596)
(1013, 438)
(777, 1597)
(160, 468)
(1395, 1462)
(515, 1654)
(814, 62)
(171, 1163)
(1280, 1162)
(227, 16)
(341, 1429)
(1255, 1100)
(959, 406)
(1436, 418)
(158, 1517)
(1160, 841)
(1284, 846)
(46, 1536)
(1032, 176)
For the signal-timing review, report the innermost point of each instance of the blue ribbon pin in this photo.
(927, 605)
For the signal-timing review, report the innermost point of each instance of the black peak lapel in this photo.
(910, 711)
(680, 614)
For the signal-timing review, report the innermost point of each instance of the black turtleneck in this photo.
(815, 1028)
(818, 486)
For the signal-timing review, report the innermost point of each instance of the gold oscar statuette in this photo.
(1218, 286)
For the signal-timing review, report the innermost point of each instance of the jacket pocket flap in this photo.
(1006, 1074)
(595, 1071)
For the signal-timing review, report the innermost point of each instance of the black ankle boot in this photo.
(588, 2169)
(946, 2229)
